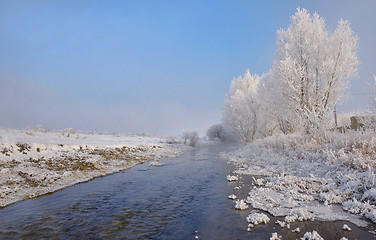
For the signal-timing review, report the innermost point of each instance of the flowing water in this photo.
(184, 198)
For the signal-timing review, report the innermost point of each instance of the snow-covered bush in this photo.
(68, 132)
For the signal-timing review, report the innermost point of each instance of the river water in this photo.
(184, 198)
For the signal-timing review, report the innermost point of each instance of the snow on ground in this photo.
(275, 236)
(312, 236)
(241, 205)
(328, 176)
(232, 178)
(36, 162)
(256, 219)
(232, 196)
(296, 230)
(346, 227)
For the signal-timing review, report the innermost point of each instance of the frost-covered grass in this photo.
(36, 162)
(328, 176)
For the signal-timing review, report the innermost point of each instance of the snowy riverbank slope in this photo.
(328, 176)
(35, 162)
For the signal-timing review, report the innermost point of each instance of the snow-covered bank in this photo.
(328, 176)
(35, 162)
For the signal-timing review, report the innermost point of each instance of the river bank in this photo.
(180, 198)
(36, 162)
(327, 177)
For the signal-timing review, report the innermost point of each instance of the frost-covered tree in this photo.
(215, 133)
(311, 71)
(309, 75)
(190, 137)
(267, 124)
(240, 114)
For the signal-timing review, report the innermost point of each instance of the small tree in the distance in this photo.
(216, 133)
(190, 138)
(241, 111)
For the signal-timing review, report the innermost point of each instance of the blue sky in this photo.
(148, 66)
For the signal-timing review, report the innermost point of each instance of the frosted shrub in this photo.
(190, 138)
(216, 133)
(68, 132)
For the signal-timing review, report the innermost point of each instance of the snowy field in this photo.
(36, 162)
(328, 176)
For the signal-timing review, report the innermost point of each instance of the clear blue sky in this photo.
(148, 66)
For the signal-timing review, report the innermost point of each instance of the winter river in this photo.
(184, 198)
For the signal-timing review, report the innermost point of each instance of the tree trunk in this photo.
(335, 109)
